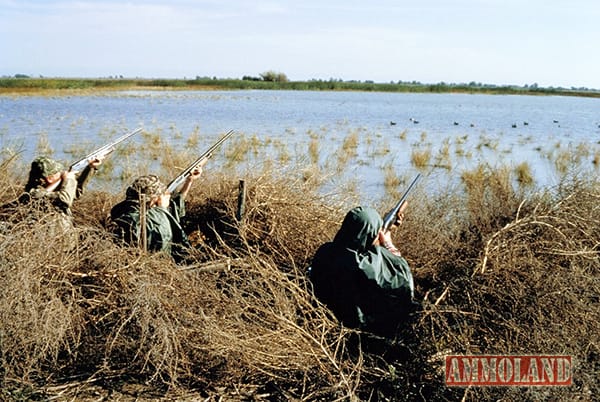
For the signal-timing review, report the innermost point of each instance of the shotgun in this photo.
(101, 152)
(176, 182)
(391, 216)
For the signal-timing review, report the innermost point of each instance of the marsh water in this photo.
(376, 131)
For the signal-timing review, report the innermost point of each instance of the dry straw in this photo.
(499, 271)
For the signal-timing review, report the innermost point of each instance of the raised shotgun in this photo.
(176, 182)
(391, 216)
(99, 153)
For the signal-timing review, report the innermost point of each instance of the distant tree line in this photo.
(278, 80)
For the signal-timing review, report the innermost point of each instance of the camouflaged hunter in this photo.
(164, 232)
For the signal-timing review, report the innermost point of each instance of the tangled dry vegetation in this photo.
(499, 273)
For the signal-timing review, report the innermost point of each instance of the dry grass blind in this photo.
(499, 272)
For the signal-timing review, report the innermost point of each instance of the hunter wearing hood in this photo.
(361, 275)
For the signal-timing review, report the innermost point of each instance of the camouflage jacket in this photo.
(48, 211)
(63, 197)
(164, 231)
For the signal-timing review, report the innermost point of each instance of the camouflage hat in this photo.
(43, 166)
(149, 185)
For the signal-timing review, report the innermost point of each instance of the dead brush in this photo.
(491, 197)
(498, 272)
(100, 311)
(279, 212)
(533, 291)
(107, 311)
(40, 319)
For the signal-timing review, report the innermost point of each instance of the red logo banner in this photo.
(508, 370)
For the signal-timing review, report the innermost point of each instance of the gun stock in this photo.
(177, 181)
(391, 215)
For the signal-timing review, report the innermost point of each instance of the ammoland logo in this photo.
(499, 370)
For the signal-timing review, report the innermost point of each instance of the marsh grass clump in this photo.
(348, 150)
(350, 143)
(193, 140)
(487, 142)
(154, 142)
(442, 158)
(240, 148)
(379, 150)
(568, 159)
(498, 271)
(420, 158)
(283, 154)
(523, 174)
(313, 150)
(491, 199)
(43, 145)
(562, 161)
(391, 179)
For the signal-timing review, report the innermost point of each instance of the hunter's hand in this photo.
(384, 237)
(187, 184)
(95, 163)
(196, 173)
(400, 216)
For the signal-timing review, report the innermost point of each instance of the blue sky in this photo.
(551, 43)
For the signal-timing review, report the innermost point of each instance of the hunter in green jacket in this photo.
(164, 232)
(361, 275)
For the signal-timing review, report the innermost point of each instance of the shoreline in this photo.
(68, 86)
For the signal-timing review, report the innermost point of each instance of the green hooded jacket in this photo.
(364, 285)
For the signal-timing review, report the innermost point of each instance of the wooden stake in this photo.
(143, 240)
(241, 201)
